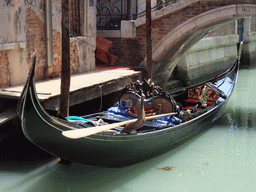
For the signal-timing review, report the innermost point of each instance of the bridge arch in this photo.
(188, 33)
(168, 51)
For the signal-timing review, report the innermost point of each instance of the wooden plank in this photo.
(8, 115)
(83, 87)
(99, 85)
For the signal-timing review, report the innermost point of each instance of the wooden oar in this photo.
(79, 133)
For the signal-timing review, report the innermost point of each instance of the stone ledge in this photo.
(215, 42)
(128, 30)
(9, 46)
(109, 33)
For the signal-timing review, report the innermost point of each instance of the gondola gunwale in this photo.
(106, 150)
(55, 124)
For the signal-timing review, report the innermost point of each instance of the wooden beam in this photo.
(65, 71)
(148, 40)
(83, 87)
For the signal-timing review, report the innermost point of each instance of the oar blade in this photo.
(74, 134)
(79, 133)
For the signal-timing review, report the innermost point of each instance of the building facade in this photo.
(29, 26)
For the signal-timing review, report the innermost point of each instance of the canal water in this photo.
(221, 158)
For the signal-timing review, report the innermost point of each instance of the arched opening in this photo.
(167, 53)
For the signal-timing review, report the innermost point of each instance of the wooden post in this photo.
(65, 71)
(148, 40)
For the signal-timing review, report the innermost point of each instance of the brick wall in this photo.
(5, 78)
(56, 44)
(57, 54)
(128, 51)
(36, 41)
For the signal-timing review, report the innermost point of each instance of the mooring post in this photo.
(148, 40)
(65, 71)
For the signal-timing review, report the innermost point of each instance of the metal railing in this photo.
(111, 12)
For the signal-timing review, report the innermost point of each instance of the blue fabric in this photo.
(167, 120)
(119, 111)
(77, 118)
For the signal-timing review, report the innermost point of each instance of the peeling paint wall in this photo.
(23, 31)
(12, 42)
(12, 21)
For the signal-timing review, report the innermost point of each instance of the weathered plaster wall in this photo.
(12, 41)
(14, 68)
(23, 31)
(12, 15)
(18, 68)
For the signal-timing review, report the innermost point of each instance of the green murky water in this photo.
(222, 158)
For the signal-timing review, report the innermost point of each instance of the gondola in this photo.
(190, 111)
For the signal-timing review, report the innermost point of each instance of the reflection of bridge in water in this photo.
(175, 29)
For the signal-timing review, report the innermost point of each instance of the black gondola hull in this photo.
(108, 150)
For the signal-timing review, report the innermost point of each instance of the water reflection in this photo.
(25, 180)
(48, 175)
(238, 119)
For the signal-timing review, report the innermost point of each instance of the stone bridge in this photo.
(175, 29)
